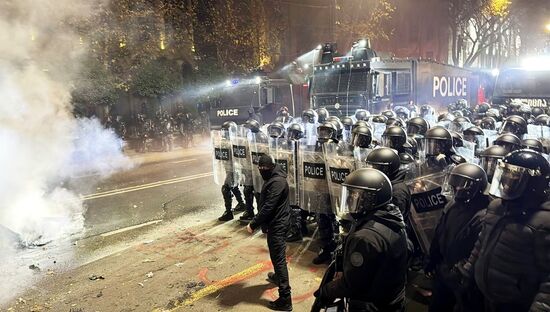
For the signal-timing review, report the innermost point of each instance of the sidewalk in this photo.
(210, 267)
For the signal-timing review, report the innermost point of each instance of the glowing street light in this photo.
(547, 27)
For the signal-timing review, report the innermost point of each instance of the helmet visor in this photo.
(435, 147)
(393, 141)
(489, 164)
(414, 129)
(355, 200)
(463, 188)
(275, 132)
(381, 166)
(361, 140)
(325, 133)
(510, 181)
(511, 127)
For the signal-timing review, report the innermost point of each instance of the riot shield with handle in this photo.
(339, 162)
(314, 192)
(467, 150)
(222, 157)
(258, 146)
(427, 204)
(284, 153)
(360, 156)
(241, 156)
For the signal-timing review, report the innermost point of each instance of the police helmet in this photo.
(360, 123)
(488, 123)
(417, 126)
(365, 190)
(509, 141)
(361, 137)
(386, 160)
(406, 158)
(514, 124)
(426, 110)
(438, 141)
(533, 144)
(389, 114)
(295, 131)
(458, 140)
(229, 125)
(402, 112)
(494, 113)
(467, 181)
(482, 108)
(310, 116)
(394, 137)
(338, 124)
(461, 104)
(542, 120)
(276, 129)
(347, 122)
(522, 174)
(537, 111)
(445, 117)
(458, 113)
(378, 119)
(472, 134)
(323, 114)
(488, 159)
(327, 131)
(362, 114)
(253, 125)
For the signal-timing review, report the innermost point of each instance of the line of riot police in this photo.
(391, 190)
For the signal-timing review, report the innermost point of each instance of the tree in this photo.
(156, 79)
(479, 26)
(364, 19)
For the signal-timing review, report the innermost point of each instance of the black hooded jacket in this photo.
(401, 195)
(375, 262)
(274, 209)
(455, 236)
(511, 259)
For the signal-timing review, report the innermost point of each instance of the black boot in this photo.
(324, 256)
(281, 304)
(240, 207)
(247, 216)
(226, 216)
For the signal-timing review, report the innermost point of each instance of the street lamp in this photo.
(547, 27)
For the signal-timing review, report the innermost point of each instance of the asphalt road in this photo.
(166, 186)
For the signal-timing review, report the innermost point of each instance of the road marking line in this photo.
(183, 161)
(145, 186)
(129, 228)
(237, 277)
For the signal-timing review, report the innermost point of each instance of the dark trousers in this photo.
(327, 224)
(276, 242)
(443, 297)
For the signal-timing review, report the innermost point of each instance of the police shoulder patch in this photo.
(356, 259)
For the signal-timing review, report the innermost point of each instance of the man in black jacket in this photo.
(374, 264)
(511, 259)
(274, 218)
(456, 234)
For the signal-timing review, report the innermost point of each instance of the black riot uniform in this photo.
(396, 138)
(439, 150)
(227, 189)
(374, 255)
(511, 259)
(456, 234)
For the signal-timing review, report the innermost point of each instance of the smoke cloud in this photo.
(42, 145)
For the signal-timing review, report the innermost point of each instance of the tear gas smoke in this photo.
(41, 143)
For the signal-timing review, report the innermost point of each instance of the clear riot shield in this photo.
(360, 155)
(467, 151)
(377, 131)
(537, 132)
(258, 145)
(427, 204)
(339, 162)
(310, 134)
(314, 193)
(222, 158)
(490, 136)
(242, 157)
(284, 153)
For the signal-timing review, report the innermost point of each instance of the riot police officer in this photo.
(542, 120)
(395, 137)
(515, 125)
(533, 144)
(439, 150)
(417, 126)
(322, 114)
(509, 141)
(488, 123)
(456, 233)
(389, 162)
(511, 259)
(374, 261)
(488, 159)
(362, 114)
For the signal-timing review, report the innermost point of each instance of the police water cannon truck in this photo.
(258, 97)
(361, 79)
(528, 83)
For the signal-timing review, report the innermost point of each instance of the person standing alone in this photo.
(274, 218)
